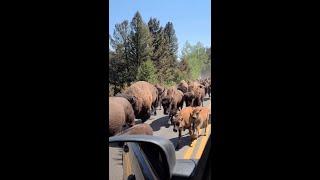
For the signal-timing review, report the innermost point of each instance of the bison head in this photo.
(178, 123)
(132, 99)
(195, 113)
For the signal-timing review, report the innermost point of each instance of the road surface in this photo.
(161, 127)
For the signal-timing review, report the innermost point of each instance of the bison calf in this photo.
(200, 118)
(182, 121)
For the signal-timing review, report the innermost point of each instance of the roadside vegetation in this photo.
(148, 52)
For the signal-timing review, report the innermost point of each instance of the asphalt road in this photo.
(161, 127)
(115, 163)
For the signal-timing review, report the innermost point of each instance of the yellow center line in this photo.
(189, 151)
(125, 164)
(129, 163)
(203, 142)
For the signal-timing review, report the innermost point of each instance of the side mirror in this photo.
(153, 156)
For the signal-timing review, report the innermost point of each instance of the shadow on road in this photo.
(158, 123)
(185, 141)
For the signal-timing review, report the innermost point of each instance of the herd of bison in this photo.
(141, 99)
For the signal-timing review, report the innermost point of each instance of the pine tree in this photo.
(157, 39)
(160, 54)
(171, 44)
(172, 40)
(119, 71)
(140, 44)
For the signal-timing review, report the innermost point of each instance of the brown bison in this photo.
(172, 102)
(144, 129)
(207, 84)
(200, 118)
(183, 86)
(182, 121)
(143, 97)
(195, 95)
(194, 85)
(154, 93)
(120, 115)
(199, 96)
(188, 98)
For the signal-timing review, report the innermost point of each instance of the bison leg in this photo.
(198, 131)
(146, 116)
(180, 105)
(154, 111)
(191, 133)
(179, 140)
(207, 123)
(171, 120)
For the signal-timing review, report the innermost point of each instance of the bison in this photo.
(182, 121)
(143, 97)
(144, 129)
(200, 118)
(199, 96)
(195, 95)
(183, 86)
(121, 115)
(188, 98)
(172, 102)
(207, 84)
(162, 92)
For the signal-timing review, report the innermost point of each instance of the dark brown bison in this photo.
(162, 91)
(172, 102)
(121, 115)
(143, 129)
(188, 98)
(182, 121)
(207, 84)
(143, 97)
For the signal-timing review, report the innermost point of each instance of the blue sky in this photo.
(191, 18)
